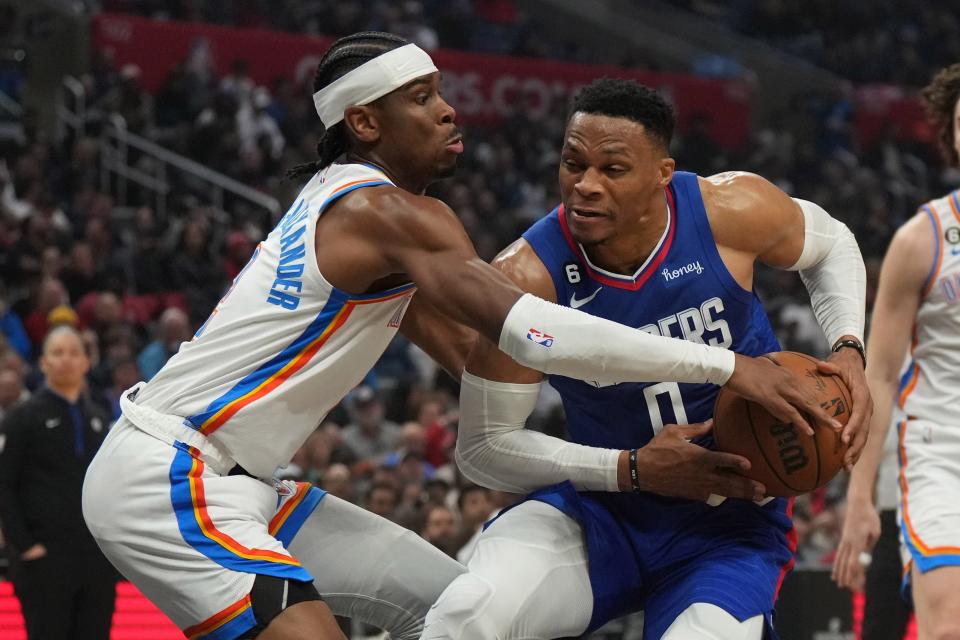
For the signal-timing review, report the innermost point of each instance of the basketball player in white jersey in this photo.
(175, 498)
(918, 310)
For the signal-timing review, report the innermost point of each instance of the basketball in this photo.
(785, 459)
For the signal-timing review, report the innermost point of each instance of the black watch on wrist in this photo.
(850, 343)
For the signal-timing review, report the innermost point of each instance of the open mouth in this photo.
(455, 145)
(588, 213)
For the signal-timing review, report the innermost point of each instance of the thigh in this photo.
(191, 540)
(929, 483)
(710, 622)
(527, 579)
(369, 568)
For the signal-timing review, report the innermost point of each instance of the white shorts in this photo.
(929, 511)
(193, 539)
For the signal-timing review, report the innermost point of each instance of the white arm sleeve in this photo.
(832, 270)
(495, 450)
(559, 340)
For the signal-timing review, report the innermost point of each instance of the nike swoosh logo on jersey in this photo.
(52, 423)
(576, 304)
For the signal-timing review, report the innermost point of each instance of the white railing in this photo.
(154, 164)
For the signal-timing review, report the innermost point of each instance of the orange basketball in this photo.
(785, 459)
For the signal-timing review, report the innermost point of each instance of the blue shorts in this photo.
(661, 555)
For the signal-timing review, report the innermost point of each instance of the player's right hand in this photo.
(861, 528)
(671, 465)
(779, 391)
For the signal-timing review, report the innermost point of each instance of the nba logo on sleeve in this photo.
(541, 338)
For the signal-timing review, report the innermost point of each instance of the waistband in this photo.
(169, 428)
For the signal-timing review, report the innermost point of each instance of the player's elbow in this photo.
(468, 465)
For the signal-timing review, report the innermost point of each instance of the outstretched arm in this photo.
(902, 278)
(798, 235)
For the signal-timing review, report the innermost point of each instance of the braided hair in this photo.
(344, 55)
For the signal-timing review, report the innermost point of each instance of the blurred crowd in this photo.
(494, 26)
(137, 284)
(898, 42)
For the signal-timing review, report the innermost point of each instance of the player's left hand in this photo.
(861, 529)
(847, 364)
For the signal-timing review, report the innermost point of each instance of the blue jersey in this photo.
(647, 551)
(683, 290)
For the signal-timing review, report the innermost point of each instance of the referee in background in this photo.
(65, 585)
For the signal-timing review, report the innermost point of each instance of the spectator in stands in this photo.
(238, 82)
(102, 312)
(369, 437)
(413, 469)
(439, 437)
(12, 392)
(239, 247)
(51, 294)
(439, 528)
(11, 326)
(382, 499)
(65, 585)
(80, 274)
(337, 481)
(193, 270)
(129, 100)
(255, 123)
(476, 507)
(148, 263)
(173, 329)
(438, 491)
(412, 440)
(408, 20)
(123, 375)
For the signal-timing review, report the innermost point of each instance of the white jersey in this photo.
(931, 389)
(283, 346)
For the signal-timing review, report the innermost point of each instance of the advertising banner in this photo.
(485, 89)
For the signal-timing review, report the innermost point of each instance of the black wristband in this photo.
(634, 472)
(847, 343)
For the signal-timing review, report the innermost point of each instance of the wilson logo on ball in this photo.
(791, 453)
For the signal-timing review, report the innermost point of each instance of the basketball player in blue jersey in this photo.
(175, 497)
(916, 319)
(632, 512)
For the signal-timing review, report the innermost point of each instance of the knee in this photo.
(469, 609)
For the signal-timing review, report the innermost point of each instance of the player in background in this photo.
(916, 319)
(673, 254)
(878, 574)
(175, 497)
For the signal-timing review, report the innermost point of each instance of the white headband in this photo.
(371, 80)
